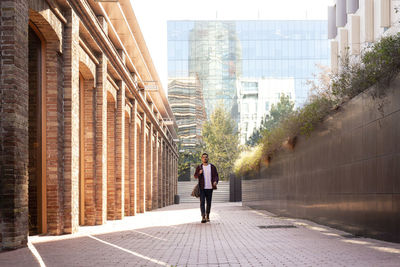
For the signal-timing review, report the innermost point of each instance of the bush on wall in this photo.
(377, 65)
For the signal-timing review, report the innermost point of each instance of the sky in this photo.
(153, 15)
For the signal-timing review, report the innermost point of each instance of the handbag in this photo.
(196, 191)
(214, 186)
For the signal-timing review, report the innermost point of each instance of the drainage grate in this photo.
(351, 236)
(276, 226)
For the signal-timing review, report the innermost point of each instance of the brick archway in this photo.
(44, 93)
(51, 123)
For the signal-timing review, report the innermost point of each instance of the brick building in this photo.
(86, 131)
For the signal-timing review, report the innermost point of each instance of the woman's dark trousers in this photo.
(205, 195)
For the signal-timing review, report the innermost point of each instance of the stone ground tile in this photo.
(174, 236)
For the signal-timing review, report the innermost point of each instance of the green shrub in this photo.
(249, 161)
(377, 65)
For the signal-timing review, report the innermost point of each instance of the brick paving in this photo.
(174, 236)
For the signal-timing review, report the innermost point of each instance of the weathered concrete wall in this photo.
(346, 174)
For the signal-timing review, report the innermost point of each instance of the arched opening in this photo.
(36, 169)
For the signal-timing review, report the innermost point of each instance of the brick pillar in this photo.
(176, 175)
(175, 185)
(71, 123)
(155, 172)
(164, 174)
(120, 153)
(168, 165)
(139, 159)
(14, 93)
(133, 159)
(171, 185)
(172, 177)
(88, 153)
(149, 176)
(142, 166)
(111, 159)
(175, 178)
(127, 183)
(54, 141)
(171, 181)
(101, 140)
(160, 172)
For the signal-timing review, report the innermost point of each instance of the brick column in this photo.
(171, 179)
(127, 183)
(149, 176)
(111, 159)
(89, 153)
(176, 174)
(54, 158)
(160, 173)
(155, 173)
(120, 153)
(164, 174)
(168, 165)
(139, 159)
(71, 123)
(14, 95)
(174, 177)
(133, 159)
(101, 137)
(142, 166)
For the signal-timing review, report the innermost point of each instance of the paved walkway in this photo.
(174, 236)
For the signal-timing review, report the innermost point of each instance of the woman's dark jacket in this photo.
(214, 175)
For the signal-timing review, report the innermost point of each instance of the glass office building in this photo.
(221, 53)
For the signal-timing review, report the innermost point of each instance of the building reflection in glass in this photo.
(187, 104)
(223, 54)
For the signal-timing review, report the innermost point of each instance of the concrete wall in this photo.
(346, 174)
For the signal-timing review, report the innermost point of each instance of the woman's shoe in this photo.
(203, 219)
(208, 218)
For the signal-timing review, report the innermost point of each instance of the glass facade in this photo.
(221, 53)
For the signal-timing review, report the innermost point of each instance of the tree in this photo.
(277, 113)
(188, 158)
(221, 141)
